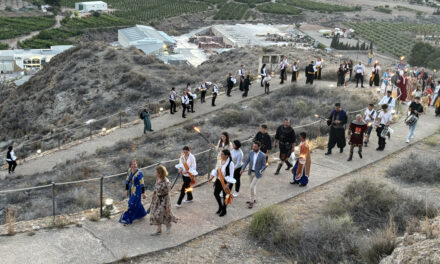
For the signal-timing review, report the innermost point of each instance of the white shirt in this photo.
(229, 178)
(203, 87)
(215, 89)
(369, 113)
(294, 68)
(255, 160)
(185, 99)
(319, 63)
(173, 96)
(264, 72)
(386, 99)
(241, 72)
(191, 162)
(13, 157)
(237, 157)
(385, 117)
(359, 68)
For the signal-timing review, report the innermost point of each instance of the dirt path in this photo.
(12, 43)
(209, 238)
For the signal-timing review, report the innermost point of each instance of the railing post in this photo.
(53, 200)
(101, 195)
(90, 129)
(120, 119)
(59, 143)
(209, 162)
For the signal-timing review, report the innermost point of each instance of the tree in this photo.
(53, 2)
(371, 45)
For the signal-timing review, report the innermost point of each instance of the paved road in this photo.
(107, 240)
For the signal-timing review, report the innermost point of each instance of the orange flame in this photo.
(190, 189)
(197, 129)
(369, 124)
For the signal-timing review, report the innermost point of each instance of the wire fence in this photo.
(56, 191)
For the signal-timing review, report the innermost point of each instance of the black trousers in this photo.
(228, 91)
(309, 79)
(246, 90)
(12, 165)
(266, 88)
(186, 184)
(381, 140)
(282, 75)
(360, 77)
(294, 76)
(337, 137)
(237, 177)
(214, 96)
(202, 97)
(218, 188)
(173, 107)
(191, 105)
(185, 107)
(262, 78)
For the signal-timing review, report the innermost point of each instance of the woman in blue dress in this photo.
(134, 184)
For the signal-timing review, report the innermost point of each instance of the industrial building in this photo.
(151, 42)
(85, 7)
(28, 59)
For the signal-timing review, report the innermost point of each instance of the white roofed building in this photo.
(91, 6)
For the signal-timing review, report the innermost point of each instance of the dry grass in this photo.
(379, 245)
(432, 141)
(416, 169)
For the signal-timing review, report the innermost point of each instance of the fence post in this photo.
(209, 162)
(90, 128)
(120, 119)
(53, 200)
(59, 143)
(101, 195)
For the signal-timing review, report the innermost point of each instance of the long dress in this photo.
(135, 209)
(147, 121)
(403, 81)
(411, 87)
(301, 170)
(161, 205)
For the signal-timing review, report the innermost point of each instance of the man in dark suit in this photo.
(257, 164)
(310, 73)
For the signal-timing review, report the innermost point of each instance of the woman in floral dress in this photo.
(160, 205)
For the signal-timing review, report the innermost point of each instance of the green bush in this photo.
(3, 46)
(231, 11)
(416, 169)
(267, 223)
(383, 9)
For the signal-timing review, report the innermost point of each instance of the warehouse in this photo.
(85, 7)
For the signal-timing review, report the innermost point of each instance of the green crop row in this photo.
(277, 8)
(3, 46)
(95, 21)
(50, 37)
(232, 11)
(319, 6)
(11, 27)
(383, 9)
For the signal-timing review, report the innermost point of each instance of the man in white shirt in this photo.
(384, 120)
(241, 74)
(369, 117)
(283, 67)
(389, 101)
(187, 167)
(185, 103)
(359, 69)
(214, 93)
(173, 96)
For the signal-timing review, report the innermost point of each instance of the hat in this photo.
(338, 104)
(237, 143)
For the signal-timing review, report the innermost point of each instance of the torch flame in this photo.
(316, 115)
(402, 58)
(376, 61)
(197, 129)
(190, 189)
(369, 124)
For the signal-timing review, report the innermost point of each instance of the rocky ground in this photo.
(232, 244)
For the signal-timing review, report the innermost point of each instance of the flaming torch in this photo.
(197, 129)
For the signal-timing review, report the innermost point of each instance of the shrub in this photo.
(416, 169)
(266, 223)
(379, 245)
(371, 204)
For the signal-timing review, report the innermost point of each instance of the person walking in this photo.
(310, 73)
(356, 135)
(147, 121)
(266, 83)
(370, 57)
(283, 67)
(359, 69)
(301, 170)
(241, 75)
(188, 168)
(173, 96)
(369, 117)
(286, 138)
(185, 103)
(237, 159)
(214, 93)
(341, 75)
(257, 164)
(266, 142)
(263, 73)
(336, 121)
(11, 159)
(191, 97)
(383, 121)
(416, 109)
(246, 85)
(203, 89)
(224, 176)
(135, 188)
(295, 70)
(230, 84)
(160, 209)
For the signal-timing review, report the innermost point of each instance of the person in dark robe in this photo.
(402, 84)
(264, 138)
(246, 84)
(286, 138)
(310, 73)
(356, 132)
(341, 75)
(337, 121)
(295, 70)
(147, 121)
(230, 84)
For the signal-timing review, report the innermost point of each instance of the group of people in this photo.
(231, 164)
